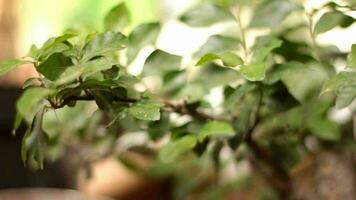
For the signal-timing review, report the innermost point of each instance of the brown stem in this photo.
(279, 177)
(169, 106)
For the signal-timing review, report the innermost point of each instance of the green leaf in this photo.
(175, 149)
(51, 46)
(28, 102)
(261, 53)
(227, 3)
(86, 69)
(158, 129)
(341, 80)
(143, 35)
(345, 96)
(212, 75)
(272, 13)
(33, 52)
(229, 59)
(117, 18)
(207, 58)
(9, 65)
(351, 58)
(236, 96)
(206, 15)
(173, 82)
(309, 81)
(17, 123)
(149, 111)
(284, 70)
(215, 128)
(24, 146)
(218, 44)
(329, 21)
(102, 44)
(160, 62)
(35, 142)
(31, 82)
(208, 77)
(254, 72)
(54, 66)
(344, 85)
(97, 65)
(324, 129)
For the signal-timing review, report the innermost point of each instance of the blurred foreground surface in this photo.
(44, 194)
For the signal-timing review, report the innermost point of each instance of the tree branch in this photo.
(169, 106)
(281, 180)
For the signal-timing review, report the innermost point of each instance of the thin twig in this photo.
(315, 46)
(169, 106)
(281, 181)
(242, 33)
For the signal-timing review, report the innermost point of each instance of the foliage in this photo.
(276, 91)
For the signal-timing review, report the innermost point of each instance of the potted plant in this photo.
(277, 89)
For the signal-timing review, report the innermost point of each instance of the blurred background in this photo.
(27, 22)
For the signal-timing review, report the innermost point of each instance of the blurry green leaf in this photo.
(31, 82)
(173, 83)
(54, 66)
(345, 96)
(293, 118)
(351, 58)
(112, 73)
(261, 53)
(215, 128)
(34, 144)
(145, 111)
(24, 146)
(229, 59)
(218, 44)
(324, 129)
(9, 65)
(33, 52)
(342, 79)
(17, 123)
(176, 148)
(212, 75)
(193, 92)
(26, 105)
(206, 15)
(158, 129)
(226, 3)
(143, 35)
(272, 13)
(254, 72)
(351, 2)
(344, 85)
(330, 20)
(236, 96)
(102, 44)
(305, 84)
(284, 70)
(207, 58)
(160, 62)
(117, 18)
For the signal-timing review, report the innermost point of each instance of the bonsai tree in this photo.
(277, 90)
